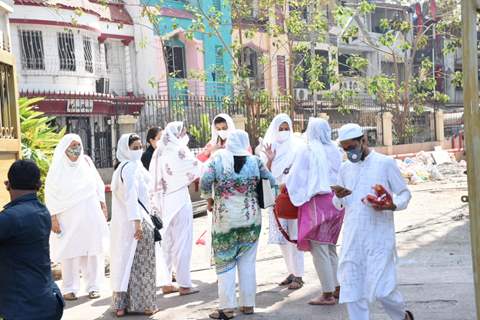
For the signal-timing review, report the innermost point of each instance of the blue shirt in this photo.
(27, 289)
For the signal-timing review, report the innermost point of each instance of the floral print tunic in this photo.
(236, 214)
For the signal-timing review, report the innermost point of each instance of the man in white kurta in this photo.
(367, 269)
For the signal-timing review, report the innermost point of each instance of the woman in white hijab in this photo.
(173, 169)
(280, 147)
(309, 182)
(75, 196)
(133, 268)
(222, 126)
(234, 175)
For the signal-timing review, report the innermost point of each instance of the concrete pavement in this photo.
(435, 272)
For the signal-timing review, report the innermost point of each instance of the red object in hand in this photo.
(381, 198)
(201, 241)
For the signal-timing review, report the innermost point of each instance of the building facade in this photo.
(9, 118)
(196, 63)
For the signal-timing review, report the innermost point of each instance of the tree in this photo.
(407, 90)
(38, 137)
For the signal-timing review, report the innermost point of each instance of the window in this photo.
(254, 67)
(87, 54)
(31, 47)
(219, 74)
(303, 61)
(175, 54)
(107, 48)
(281, 74)
(66, 51)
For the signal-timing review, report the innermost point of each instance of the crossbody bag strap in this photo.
(282, 230)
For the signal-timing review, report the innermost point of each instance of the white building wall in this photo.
(145, 61)
(80, 80)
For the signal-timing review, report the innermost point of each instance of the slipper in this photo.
(170, 290)
(189, 292)
(222, 315)
(322, 301)
(247, 310)
(70, 297)
(410, 315)
(93, 295)
(297, 283)
(150, 312)
(287, 281)
(120, 313)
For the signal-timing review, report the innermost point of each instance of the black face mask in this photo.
(355, 154)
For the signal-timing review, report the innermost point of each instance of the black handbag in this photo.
(265, 195)
(157, 222)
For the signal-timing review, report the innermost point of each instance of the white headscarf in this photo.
(309, 174)
(237, 144)
(173, 165)
(285, 151)
(124, 153)
(230, 126)
(68, 182)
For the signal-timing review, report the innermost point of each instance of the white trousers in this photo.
(177, 246)
(92, 269)
(393, 305)
(247, 282)
(293, 259)
(325, 260)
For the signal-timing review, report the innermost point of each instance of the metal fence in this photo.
(198, 113)
(453, 122)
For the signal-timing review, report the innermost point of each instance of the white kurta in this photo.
(126, 209)
(368, 256)
(84, 227)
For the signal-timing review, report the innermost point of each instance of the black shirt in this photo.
(147, 157)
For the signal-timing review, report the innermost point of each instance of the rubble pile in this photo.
(431, 166)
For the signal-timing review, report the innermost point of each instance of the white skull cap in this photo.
(349, 131)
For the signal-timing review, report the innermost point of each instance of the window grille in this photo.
(31, 47)
(66, 51)
(87, 53)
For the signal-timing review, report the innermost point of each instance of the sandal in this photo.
(336, 294)
(70, 297)
(409, 315)
(222, 315)
(287, 281)
(120, 313)
(93, 295)
(247, 310)
(187, 291)
(149, 312)
(169, 290)
(323, 301)
(297, 283)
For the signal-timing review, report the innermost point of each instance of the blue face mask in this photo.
(355, 155)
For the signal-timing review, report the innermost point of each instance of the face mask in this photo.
(355, 155)
(74, 151)
(283, 136)
(223, 134)
(136, 155)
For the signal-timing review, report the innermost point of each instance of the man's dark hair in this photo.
(219, 120)
(24, 175)
(152, 133)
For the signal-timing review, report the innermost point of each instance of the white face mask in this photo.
(223, 134)
(136, 155)
(283, 136)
